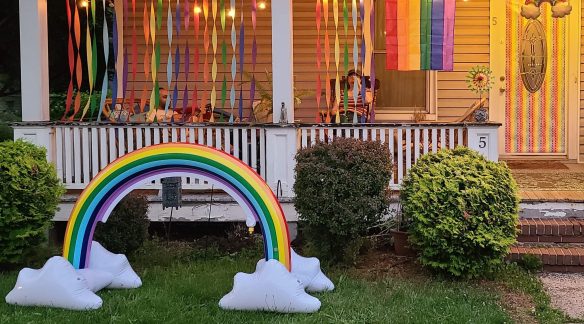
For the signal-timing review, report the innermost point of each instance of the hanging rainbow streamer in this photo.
(146, 65)
(253, 54)
(355, 53)
(241, 61)
(337, 59)
(187, 56)
(206, 63)
(346, 55)
(223, 58)
(327, 60)
(90, 69)
(78, 66)
(154, 94)
(318, 60)
(118, 86)
(372, 72)
(420, 34)
(169, 59)
(196, 26)
(134, 55)
(535, 122)
(233, 60)
(71, 57)
(105, 40)
(214, 67)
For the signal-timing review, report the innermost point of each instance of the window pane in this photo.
(399, 89)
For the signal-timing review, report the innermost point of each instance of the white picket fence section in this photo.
(84, 150)
(406, 143)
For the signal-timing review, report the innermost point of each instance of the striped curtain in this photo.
(535, 122)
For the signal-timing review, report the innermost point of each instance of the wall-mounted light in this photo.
(198, 10)
(231, 13)
(83, 3)
(262, 5)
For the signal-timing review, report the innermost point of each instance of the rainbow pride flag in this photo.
(419, 34)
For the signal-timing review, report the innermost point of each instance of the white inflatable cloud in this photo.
(270, 288)
(96, 279)
(530, 11)
(561, 10)
(115, 264)
(308, 271)
(56, 284)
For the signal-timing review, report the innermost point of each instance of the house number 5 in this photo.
(494, 21)
(482, 141)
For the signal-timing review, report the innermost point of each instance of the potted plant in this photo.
(401, 234)
(262, 107)
(480, 81)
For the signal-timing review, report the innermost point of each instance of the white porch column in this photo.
(34, 75)
(34, 64)
(282, 71)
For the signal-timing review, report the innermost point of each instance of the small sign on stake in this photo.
(171, 192)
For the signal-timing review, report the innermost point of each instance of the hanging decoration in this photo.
(71, 58)
(253, 55)
(169, 59)
(134, 56)
(355, 52)
(223, 58)
(346, 57)
(318, 61)
(327, 60)
(90, 54)
(337, 60)
(535, 121)
(105, 40)
(233, 60)
(241, 61)
(115, 57)
(531, 8)
(214, 66)
(419, 35)
(372, 71)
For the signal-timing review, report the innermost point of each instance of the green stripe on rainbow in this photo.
(175, 159)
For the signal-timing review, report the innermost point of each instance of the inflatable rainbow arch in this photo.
(175, 159)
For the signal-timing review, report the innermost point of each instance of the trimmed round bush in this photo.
(126, 229)
(29, 196)
(340, 193)
(464, 211)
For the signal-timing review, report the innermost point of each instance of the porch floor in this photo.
(553, 181)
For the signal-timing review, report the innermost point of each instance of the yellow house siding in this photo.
(471, 47)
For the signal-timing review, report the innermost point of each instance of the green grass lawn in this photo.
(181, 285)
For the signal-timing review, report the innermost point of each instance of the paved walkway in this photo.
(566, 291)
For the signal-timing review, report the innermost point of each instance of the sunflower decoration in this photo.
(480, 81)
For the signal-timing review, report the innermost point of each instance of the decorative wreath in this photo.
(531, 8)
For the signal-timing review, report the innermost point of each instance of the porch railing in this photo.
(80, 151)
(84, 150)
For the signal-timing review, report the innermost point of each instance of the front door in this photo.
(531, 62)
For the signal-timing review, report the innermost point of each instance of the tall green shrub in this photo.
(464, 211)
(126, 229)
(341, 192)
(29, 196)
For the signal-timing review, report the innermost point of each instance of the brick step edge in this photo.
(550, 238)
(530, 227)
(551, 256)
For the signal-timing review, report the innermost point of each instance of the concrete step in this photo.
(556, 257)
(551, 230)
